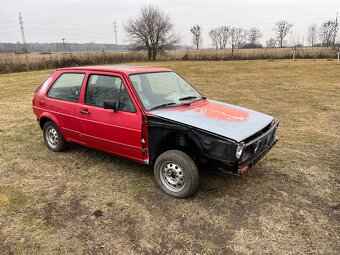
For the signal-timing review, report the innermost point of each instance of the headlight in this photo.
(239, 150)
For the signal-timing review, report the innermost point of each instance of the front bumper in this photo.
(244, 166)
(254, 150)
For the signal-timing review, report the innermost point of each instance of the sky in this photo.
(80, 21)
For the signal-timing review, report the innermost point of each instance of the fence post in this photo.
(338, 57)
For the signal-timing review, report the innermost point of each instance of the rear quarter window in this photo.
(67, 87)
(44, 85)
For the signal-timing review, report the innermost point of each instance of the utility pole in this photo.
(335, 28)
(21, 24)
(63, 44)
(115, 30)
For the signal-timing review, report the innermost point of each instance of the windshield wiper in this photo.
(161, 106)
(187, 98)
(190, 97)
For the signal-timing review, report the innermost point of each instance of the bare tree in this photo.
(328, 32)
(152, 31)
(282, 28)
(237, 37)
(196, 32)
(213, 34)
(295, 43)
(312, 32)
(253, 35)
(271, 43)
(220, 36)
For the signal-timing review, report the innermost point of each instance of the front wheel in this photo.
(176, 173)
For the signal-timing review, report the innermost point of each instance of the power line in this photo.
(115, 30)
(21, 24)
(63, 44)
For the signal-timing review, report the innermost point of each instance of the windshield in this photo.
(158, 90)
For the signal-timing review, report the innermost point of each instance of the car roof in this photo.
(117, 69)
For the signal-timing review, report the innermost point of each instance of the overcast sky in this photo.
(81, 21)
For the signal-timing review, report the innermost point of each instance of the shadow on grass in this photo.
(212, 181)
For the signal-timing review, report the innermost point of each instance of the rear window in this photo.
(67, 87)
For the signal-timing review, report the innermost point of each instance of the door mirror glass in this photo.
(110, 105)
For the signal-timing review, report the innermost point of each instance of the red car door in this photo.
(117, 132)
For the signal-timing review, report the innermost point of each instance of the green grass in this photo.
(288, 204)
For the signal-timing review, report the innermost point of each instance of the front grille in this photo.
(259, 145)
(259, 133)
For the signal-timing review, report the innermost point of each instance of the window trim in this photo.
(81, 85)
(109, 75)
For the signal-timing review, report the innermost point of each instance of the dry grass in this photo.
(10, 62)
(251, 54)
(288, 204)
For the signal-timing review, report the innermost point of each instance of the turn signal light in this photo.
(244, 170)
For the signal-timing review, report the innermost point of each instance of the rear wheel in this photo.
(176, 173)
(53, 138)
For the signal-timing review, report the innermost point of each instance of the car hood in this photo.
(234, 122)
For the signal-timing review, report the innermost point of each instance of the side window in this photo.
(102, 88)
(67, 87)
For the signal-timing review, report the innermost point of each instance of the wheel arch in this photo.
(178, 141)
(48, 117)
(164, 136)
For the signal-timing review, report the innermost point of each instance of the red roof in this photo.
(119, 69)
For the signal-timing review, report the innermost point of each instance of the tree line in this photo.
(324, 35)
(59, 47)
(153, 31)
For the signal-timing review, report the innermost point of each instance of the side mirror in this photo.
(111, 105)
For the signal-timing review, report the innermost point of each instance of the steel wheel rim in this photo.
(52, 137)
(172, 177)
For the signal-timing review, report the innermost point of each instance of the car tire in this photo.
(176, 174)
(53, 138)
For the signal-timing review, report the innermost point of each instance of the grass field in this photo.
(288, 204)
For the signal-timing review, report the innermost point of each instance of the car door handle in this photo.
(85, 111)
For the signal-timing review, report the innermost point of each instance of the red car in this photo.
(152, 116)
